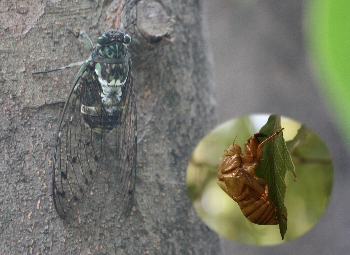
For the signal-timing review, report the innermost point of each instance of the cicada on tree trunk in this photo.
(96, 138)
(237, 178)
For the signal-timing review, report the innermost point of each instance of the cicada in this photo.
(237, 178)
(96, 138)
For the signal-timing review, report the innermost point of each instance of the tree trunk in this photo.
(174, 96)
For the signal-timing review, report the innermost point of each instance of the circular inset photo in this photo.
(260, 179)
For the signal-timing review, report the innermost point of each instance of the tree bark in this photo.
(174, 91)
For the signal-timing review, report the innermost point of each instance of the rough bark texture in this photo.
(173, 83)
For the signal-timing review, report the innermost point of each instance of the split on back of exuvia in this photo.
(101, 80)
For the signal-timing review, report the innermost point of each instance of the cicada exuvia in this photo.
(237, 178)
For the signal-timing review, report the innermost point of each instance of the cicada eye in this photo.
(127, 39)
(101, 40)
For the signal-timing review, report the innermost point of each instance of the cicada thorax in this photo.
(102, 85)
(237, 178)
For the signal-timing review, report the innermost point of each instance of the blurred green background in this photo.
(306, 199)
(328, 34)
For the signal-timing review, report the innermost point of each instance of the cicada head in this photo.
(233, 150)
(113, 44)
(230, 161)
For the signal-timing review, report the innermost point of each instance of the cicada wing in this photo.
(77, 156)
(95, 173)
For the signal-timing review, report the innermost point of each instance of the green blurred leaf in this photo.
(276, 160)
(328, 32)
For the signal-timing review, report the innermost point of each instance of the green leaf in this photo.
(275, 161)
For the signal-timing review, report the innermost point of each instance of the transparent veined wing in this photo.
(93, 172)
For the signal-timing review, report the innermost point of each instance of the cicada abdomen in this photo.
(237, 178)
